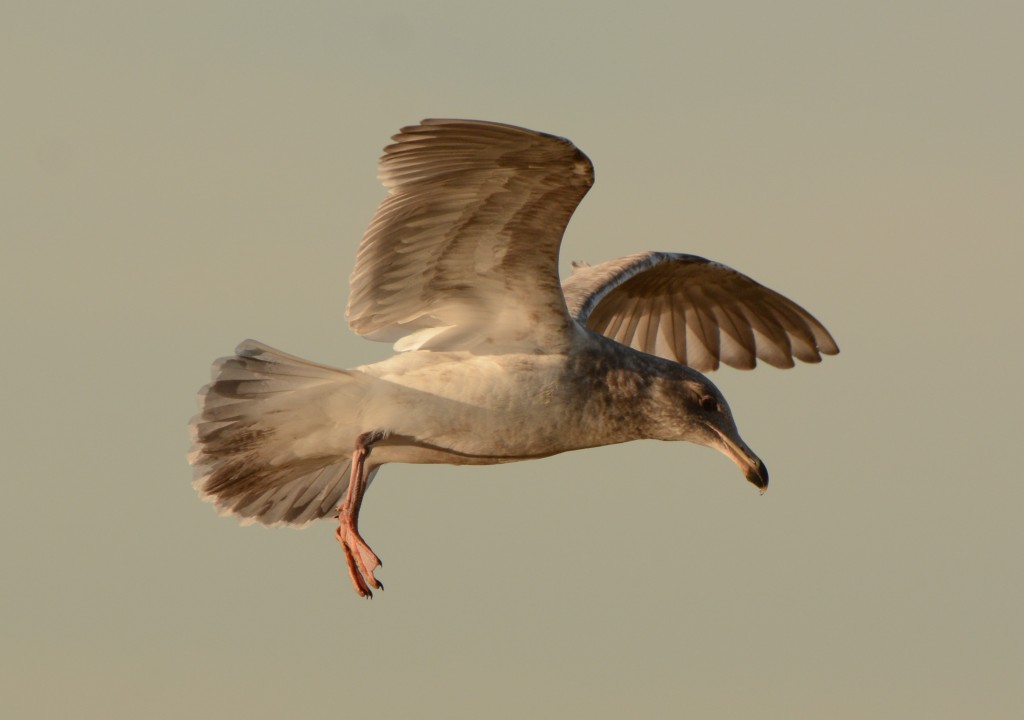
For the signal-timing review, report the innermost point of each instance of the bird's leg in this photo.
(360, 559)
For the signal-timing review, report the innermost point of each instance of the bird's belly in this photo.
(403, 449)
(478, 436)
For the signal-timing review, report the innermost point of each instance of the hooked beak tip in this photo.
(757, 474)
(751, 465)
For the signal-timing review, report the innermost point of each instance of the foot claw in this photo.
(361, 561)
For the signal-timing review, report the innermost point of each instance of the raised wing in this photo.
(694, 311)
(463, 253)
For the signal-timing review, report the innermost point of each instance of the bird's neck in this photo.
(617, 387)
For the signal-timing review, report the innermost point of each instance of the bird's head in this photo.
(691, 408)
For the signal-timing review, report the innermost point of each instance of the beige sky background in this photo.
(176, 177)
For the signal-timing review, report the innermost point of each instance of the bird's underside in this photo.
(498, 360)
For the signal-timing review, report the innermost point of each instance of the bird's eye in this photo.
(708, 404)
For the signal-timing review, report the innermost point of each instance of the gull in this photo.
(496, 360)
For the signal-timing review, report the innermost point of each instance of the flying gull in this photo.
(497, 360)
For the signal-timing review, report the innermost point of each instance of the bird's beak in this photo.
(745, 459)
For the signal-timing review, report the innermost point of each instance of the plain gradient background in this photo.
(178, 176)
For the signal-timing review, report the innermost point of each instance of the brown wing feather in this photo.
(693, 310)
(464, 250)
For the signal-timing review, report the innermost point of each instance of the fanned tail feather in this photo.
(265, 447)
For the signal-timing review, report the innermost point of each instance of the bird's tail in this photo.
(268, 444)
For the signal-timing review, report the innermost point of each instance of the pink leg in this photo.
(359, 558)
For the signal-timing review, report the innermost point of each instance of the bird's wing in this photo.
(463, 253)
(695, 311)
